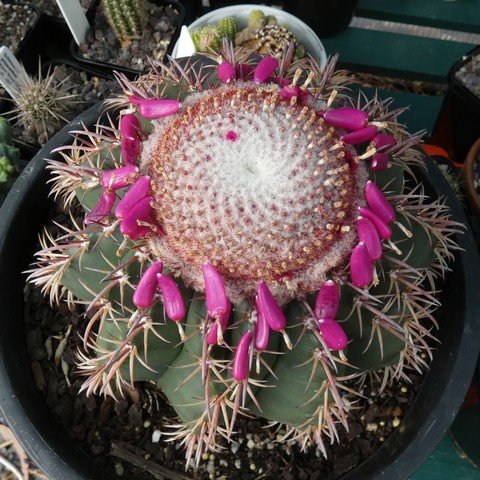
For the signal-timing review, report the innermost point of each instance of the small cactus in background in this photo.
(9, 156)
(127, 18)
(8, 153)
(43, 105)
(257, 20)
(207, 39)
(249, 243)
(228, 28)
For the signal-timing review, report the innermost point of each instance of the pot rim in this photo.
(468, 176)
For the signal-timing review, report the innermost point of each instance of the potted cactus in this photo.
(253, 244)
(9, 158)
(135, 33)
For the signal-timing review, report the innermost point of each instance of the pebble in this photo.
(156, 436)
(372, 427)
(382, 423)
(234, 448)
(253, 466)
(119, 470)
(396, 422)
(223, 463)
(147, 424)
(270, 446)
(397, 412)
(238, 464)
(251, 444)
(205, 456)
(404, 389)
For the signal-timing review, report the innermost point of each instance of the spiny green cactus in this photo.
(9, 155)
(257, 20)
(227, 27)
(127, 18)
(270, 19)
(240, 248)
(43, 105)
(206, 39)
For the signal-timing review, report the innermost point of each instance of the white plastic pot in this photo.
(305, 35)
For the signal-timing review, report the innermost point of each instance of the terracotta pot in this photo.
(468, 178)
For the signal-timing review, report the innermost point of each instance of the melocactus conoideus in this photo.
(250, 243)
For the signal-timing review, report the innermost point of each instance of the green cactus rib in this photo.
(126, 17)
(296, 382)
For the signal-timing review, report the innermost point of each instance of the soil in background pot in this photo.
(50, 7)
(469, 75)
(125, 437)
(15, 22)
(103, 46)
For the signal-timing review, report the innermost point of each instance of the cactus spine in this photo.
(256, 246)
(127, 18)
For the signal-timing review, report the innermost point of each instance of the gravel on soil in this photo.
(469, 75)
(15, 22)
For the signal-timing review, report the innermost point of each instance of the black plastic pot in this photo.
(325, 17)
(129, 72)
(458, 123)
(22, 217)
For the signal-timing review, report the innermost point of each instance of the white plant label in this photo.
(186, 47)
(12, 73)
(76, 19)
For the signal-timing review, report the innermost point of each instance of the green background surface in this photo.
(447, 462)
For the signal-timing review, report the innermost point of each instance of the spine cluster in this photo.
(127, 18)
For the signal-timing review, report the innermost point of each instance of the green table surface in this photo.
(447, 463)
(463, 15)
(396, 55)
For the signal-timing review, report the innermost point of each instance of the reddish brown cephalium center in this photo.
(256, 186)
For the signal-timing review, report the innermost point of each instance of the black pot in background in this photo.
(131, 73)
(458, 123)
(325, 17)
(23, 216)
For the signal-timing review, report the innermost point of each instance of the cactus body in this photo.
(206, 39)
(9, 155)
(256, 19)
(252, 200)
(127, 18)
(227, 27)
